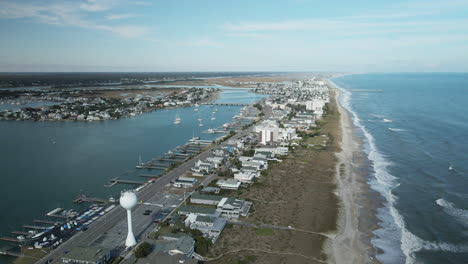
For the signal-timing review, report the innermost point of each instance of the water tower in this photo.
(128, 200)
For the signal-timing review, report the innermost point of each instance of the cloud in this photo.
(203, 42)
(71, 14)
(119, 16)
(98, 5)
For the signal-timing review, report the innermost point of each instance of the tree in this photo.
(143, 250)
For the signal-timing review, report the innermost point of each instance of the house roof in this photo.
(92, 254)
(197, 210)
(206, 197)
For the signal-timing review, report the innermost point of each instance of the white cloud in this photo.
(71, 14)
(119, 16)
(98, 5)
(203, 42)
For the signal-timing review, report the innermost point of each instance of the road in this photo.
(117, 216)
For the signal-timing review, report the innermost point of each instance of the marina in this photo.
(181, 142)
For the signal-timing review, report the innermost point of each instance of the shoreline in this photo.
(357, 214)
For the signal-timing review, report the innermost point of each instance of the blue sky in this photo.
(253, 35)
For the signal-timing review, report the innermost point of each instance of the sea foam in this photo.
(398, 244)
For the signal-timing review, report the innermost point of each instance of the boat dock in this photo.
(88, 199)
(46, 222)
(6, 252)
(10, 239)
(149, 175)
(115, 181)
(36, 227)
(21, 233)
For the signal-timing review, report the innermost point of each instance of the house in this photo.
(245, 176)
(209, 189)
(87, 255)
(190, 209)
(201, 168)
(184, 182)
(210, 226)
(216, 161)
(207, 199)
(229, 184)
(232, 208)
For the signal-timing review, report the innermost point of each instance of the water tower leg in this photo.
(131, 241)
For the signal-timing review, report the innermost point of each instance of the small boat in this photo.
(450, 168)
(177, 119)
(199, 119)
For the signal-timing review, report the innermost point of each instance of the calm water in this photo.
(416, 134)
(38, 176)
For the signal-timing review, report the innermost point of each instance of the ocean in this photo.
(39, 175)
(415, 132)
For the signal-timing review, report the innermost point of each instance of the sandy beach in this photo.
(356, 219)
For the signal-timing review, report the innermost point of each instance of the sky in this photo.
(241, 35)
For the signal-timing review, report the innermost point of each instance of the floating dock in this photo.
(46, 222)
(88, 199)
(115, 181)
(36, 227)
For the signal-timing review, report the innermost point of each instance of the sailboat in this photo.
(177, 119)
(140, 163)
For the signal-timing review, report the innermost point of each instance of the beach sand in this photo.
(356, 220)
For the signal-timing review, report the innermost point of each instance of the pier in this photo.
(88, 199)
(36, 227)
(115, 181)
(149, 175)
(46, 222)
(21, 233)
(10, 253)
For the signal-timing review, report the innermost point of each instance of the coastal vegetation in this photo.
(296, 196)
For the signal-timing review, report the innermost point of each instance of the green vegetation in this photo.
(264, 232)
(143, 250)
(249, 153)
(246, 260)
(202, 244)
(116, 260)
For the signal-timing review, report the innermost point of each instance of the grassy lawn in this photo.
(318, 140)
(264, 232)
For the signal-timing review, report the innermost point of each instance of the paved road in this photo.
(118, 215)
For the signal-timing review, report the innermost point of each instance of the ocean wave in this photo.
(393, 238)
(387, 120)
(397, 129)
(460, 215)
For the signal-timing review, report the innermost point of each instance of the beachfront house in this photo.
(184, 182)
(211, 227)
(228, 184)
(245, 176)
(232, 208)
(207, 199)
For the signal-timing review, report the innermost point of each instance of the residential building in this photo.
(87, 255)
(229, 184)
(232, 208)
(207, 199)
(184, 182)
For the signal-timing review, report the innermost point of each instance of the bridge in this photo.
(225, 104)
